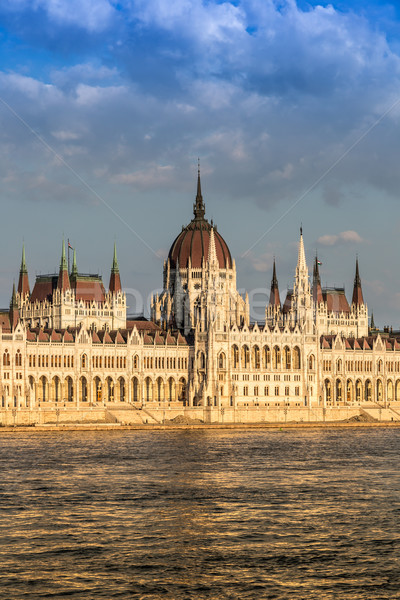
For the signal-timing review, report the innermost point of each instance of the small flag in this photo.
(319, 262)
(69, 245)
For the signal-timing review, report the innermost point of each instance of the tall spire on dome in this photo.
(274, 299)
(198, 208)
(63, 277)
(115, 279)
(23, 282)
(357, 289)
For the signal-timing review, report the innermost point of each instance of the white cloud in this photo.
(155, 175)
(93, 15)
(344, 237)
(66, 136)
(261, 262)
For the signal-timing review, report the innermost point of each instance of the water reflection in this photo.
(200, 514)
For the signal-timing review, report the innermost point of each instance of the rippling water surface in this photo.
(200, 514)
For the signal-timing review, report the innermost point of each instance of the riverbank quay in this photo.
(159, 415)
(62, 427)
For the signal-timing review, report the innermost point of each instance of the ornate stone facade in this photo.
(69, 342)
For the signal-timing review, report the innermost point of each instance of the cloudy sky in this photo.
(292, 107)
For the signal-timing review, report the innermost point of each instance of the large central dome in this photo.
(194, 240)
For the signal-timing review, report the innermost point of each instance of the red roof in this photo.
(89, 289)
(193, 243)
(43, 288)
(336, 300)
(142, 325)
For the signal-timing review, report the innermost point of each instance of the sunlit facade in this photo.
(68, 341)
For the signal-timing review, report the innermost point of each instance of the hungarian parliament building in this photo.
(68, 341)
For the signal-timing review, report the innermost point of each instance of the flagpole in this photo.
(69, 271)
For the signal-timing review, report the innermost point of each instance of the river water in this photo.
(195, 514)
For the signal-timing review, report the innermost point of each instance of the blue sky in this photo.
(292, 107)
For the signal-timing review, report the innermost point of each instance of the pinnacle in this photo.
(115, 267)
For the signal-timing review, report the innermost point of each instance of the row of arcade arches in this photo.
(349, 391)
(107, 390)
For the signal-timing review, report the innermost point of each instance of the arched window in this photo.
(171, 389)
(83, 361)
(182, 390)
(235, 357)
(338, 391)
(221, 361)
(135, 389)
(379, 391)
(276, 357)
(148, 387)
(368, 391)
(121, 385)
(136, 362)
(349, 392)
(339, 365)
(83, 389)
(328, 391)
(6, 359)
(390, 390)
(18, 359)
(256, 357)
(245, 357)
(286, 358)
(296, 358)
(159, 390)
(358, 391)
(266, 357)
(110, 389)
(311, 362)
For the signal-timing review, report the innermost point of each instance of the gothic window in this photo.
(296, 358)
(267, 357)
(276, 357)
(256, 357)
(6, 359)
(221, 361)
(358, 391)
(349, 391)
(235, 357)
(287, 357)
(245, 357)
(328, 391)
(338, 391)
(368, 391)
(379, 391)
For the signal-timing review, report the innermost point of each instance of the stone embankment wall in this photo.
(155, 415)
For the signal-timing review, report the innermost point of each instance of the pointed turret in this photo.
(23, 282)
(274, 299)
(63, 277)
(358, 299)
(74, 270)
(372, 326)
(115, 279)
(301, 260)
(14, 312)
(199, 208)
(317, 290)
(212, 251)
